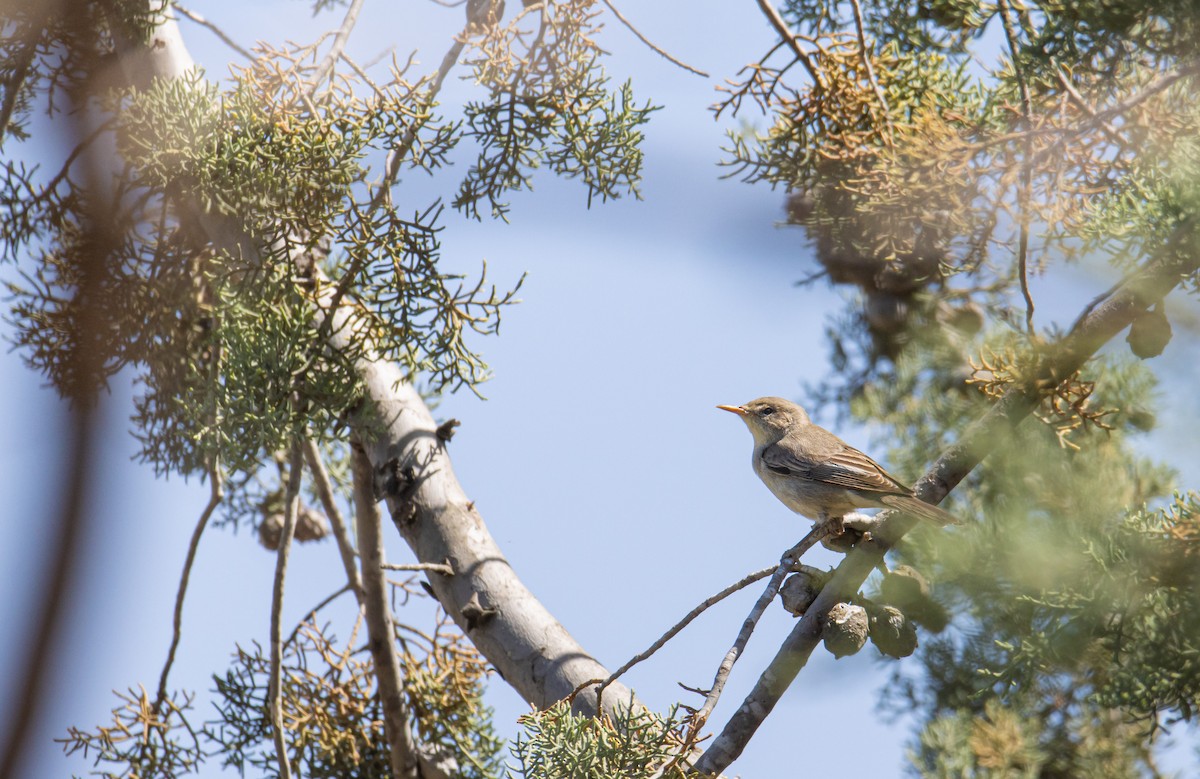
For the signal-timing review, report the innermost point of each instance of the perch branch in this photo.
(1159, 276)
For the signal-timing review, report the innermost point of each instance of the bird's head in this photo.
(769, 419)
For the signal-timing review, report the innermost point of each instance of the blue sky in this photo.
(618, 491)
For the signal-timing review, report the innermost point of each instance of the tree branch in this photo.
(380, 630)
(532, 650)
(214, 500)
(707, 603)
(786, 563)
(214, 29)
(275, 693)
(442, 568)
(652, 47)
(789, 37)
(340, 533)
(74, 479)
(1158, 277)
(325, 69)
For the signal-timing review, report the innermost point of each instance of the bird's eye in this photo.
(767, 411)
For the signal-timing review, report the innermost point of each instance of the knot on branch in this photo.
(398, 483)
(477, 614)
(446, 430)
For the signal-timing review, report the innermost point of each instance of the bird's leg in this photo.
(836, 524)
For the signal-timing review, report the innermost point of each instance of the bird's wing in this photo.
(844, 466)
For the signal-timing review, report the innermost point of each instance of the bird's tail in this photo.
(919, 508)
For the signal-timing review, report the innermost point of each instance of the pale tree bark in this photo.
(530, 649)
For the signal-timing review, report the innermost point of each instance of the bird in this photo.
(818, 475)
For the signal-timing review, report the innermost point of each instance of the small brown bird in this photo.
(819, 475)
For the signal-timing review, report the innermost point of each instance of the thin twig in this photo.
(866, 58)
(683, 623)
(215, 484)
(275, 692)
(393, 163)
(360, 71)
(214, 29)
(442, 568)
(339, 44)
(1073, 94)
(13, 88)
(396, 157)
(654, 48)
(402, 754)
(341, 534)
(1025, 193)
(790, 557)
(772, 14)
(312, 613)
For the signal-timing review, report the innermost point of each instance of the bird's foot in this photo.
(834, 526)
(841, 536)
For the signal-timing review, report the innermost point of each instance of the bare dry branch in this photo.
(214, 29)
(380, 629)
(707, 603)
(652, 47)
(275, 693)
(215, 494)
(786, 562)
(325, 69)
(1158, 276)
(340, 532)
(790, 38)
(443, 568)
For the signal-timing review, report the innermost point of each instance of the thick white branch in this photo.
(530, 648)
(532, 651)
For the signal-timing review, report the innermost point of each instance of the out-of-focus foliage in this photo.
(1066, 601)
(557, 744)
(1008, 742)
(922, 175)
(332, 713)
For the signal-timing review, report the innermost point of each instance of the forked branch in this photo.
(1158, 276)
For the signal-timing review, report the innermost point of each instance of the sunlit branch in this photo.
(1159, 275)
(214, 29)
(651, 46)
(785, 33)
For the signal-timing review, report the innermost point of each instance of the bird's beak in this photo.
(741, 412)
